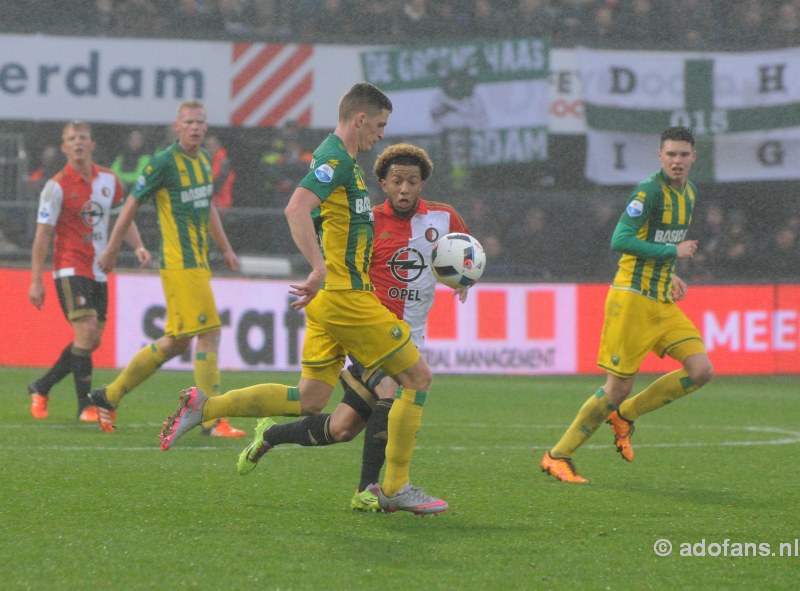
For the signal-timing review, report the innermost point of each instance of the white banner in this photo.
(142, 81)
(507, 329)
(494, 92)
(260, 84)
(744, 109)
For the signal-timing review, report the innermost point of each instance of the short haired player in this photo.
(641, 314)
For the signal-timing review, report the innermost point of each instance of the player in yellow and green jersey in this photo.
(331, 222)
(180, 182)
(641, 314)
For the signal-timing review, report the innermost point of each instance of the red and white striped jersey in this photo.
(401, 257)
(80, 212)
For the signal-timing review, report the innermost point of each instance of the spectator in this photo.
(500, 263)
(239, 17)
(543, 250)
(737, 255)
(782, 252)
(415, 22)
(327, 21)
(712, 229)
(787, 26)
(746, 25)
(606, 32)
(195, 18)
(285, 162)
(50, 162)
(102, 19)
(130, 163)
(575, 20)
(642, 24)
(224, 174)
(487, 20)
(536, 18)
(592, 263)
(139, 18)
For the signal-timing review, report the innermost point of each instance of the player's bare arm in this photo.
(217, 231)
(108, 259)
(41, 246)
(134, 240)
(301, 225)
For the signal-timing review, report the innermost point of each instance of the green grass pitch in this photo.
(83, 510)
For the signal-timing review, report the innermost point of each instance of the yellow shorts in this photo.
(190, 302)
(355, 322)
(634, 325)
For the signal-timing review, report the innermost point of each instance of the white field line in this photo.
(786, 437)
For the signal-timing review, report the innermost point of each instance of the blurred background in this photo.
(540, 216)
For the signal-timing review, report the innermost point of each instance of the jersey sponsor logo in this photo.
(635, 208)
(431, 235)
(92, 213)
(362, 204)
(140, 182)
(407, 264)
(404, 294)
(199, 195)
(43, 215)
(324, 173)
(670, 236)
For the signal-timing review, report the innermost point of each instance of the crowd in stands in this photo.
(698, 24)
(531, 231)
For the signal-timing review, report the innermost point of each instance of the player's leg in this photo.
(621, 352)
(73, 299)
(558, 460)
(681, 341)
(376, 434)
(382, 340)
(311, 431)
(187, 293)
(88, 335)
(370, 394)
(207, 378)
(322, 359)
(39, 390)
(697, 371)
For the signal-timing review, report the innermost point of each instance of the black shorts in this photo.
(80, 297)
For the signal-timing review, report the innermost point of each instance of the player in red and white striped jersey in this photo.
(75, 207)
(406, 228)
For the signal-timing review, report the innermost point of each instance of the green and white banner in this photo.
(744, 109)
(495, 92)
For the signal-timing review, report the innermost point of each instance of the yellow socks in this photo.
(590, 416)
(142, 366)
(405, 419)
(664, 390)
(263, 400)
(206, 375)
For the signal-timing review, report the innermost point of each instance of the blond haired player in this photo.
(179, 181)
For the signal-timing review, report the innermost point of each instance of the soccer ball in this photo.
(457, 260)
